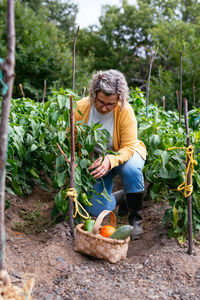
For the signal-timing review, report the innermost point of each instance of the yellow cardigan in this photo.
(125, 131)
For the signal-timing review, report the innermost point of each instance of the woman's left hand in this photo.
(100, 168)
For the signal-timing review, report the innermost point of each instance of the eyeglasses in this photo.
(108, 105)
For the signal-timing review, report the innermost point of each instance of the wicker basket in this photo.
(93, 244)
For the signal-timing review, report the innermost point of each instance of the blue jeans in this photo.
(132, 180)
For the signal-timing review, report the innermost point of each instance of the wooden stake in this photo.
(178, 100)
(180, 96)
(163, 102)
(21, 89)
(8, 71)
(72, 165)
(83, 93)
(74, 54)
(151, 59)
(44, 94)
(189, 199)
(194, 96)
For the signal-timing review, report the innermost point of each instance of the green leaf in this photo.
(33, 147)
(175, 216)
(168, 174)
(60, 160)
(61, 201)
(197, 177)
(61, 136)
(61, 177)
(84, 163)
(154, 141)
(84, 152)
(154, 195)
(16, 188)
(105, 192)
(63, 101)
(9, 190)
(46, 105)
(165, 157)
(20, 131)
(34, 125)
(34, 174)
(29, 139)
(157, 152)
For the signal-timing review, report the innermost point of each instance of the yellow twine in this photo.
(189, 165)
(72, 193)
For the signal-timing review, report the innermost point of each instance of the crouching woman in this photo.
(108, 104)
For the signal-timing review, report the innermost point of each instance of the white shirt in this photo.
(107, 121)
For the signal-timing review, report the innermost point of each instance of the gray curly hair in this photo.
(109, 82)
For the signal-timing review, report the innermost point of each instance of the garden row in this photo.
(33, 155)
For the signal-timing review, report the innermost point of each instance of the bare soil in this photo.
(156, 267)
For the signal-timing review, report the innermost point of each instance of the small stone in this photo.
(138, 267)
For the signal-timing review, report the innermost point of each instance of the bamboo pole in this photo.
(72, 167)
(178, 100)
(163, 99)
(22, 91)
(151, 59)
(74, 61)
(83, 93)
(194, 96)
(189, 199)
(44, 93)
(8, 72)
(180, 96)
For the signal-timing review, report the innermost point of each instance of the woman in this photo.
(108, 104)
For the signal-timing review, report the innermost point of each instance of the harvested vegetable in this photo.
(88, 225)
(122, 232)
(107, 230)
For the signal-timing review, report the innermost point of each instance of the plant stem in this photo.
(189, 199)
(63, 153)
(8, 71)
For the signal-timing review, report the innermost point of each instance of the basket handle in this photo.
(100, 219)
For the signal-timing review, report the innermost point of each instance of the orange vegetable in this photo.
(107, 230)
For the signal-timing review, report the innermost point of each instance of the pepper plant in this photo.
(87, 137)
(165, 169)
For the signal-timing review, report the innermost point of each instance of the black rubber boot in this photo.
(120, 197)
(134, 202)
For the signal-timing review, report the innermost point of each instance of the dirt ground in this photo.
(156, 267)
